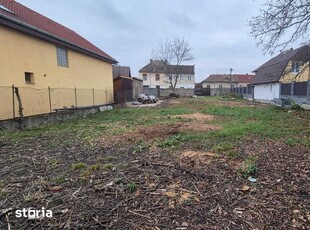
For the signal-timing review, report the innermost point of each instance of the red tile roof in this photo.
(221, 78)
(34, 21)
(234, 78)
(245, 78)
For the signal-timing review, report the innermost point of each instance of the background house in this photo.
(39, 53)
(289, 66)
(154, 75)
(245, 80)
(220, 83)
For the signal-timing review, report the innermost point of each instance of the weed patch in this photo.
(248, 167)
(78, 166)
(171, 141)
(132, 186)
(59, 180)
(227, 149)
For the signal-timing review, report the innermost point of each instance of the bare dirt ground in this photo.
(124, 185)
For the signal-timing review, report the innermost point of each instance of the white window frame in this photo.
(62, 57)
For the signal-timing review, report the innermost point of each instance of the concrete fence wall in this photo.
(165, 92)
(50, 118)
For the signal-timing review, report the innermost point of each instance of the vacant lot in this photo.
(186, 164)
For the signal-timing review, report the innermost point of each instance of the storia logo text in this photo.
(32, 213)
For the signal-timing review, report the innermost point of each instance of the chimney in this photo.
(151, 60)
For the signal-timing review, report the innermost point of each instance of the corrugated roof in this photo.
(157, 66)
(272, 70)
(34, 21)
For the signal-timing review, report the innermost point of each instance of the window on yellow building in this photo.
(144, 77)
(62, 57)
(157, 78)
(29, 78)
(295, 67)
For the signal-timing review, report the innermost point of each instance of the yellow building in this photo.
(52, 66)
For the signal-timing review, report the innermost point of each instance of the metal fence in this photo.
(295, 89)
(246, 91)
(26, 101)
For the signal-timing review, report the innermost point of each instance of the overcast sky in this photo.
(128, 30)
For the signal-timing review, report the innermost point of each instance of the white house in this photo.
(289, 66)
(156, 74)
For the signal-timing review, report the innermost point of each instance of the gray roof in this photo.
(222, 78)
(272, 70)
(157, 66)
(119, 71)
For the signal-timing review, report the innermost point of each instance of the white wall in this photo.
(184, 81)
(267, 91)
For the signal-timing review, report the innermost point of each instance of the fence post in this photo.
(292, 88)
(13, 100)
(106, 96)
(308, 88)
(93, 97)
(75, 94)
(49, 98)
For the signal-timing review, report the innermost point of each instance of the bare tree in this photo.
(171, 54)
(280, 23)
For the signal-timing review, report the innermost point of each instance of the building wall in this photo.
(267, 91)
(24, 53)
(163, 82)
(216, 85)
(240, 84)
(289, 76)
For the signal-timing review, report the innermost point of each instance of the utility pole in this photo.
(230, 72)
